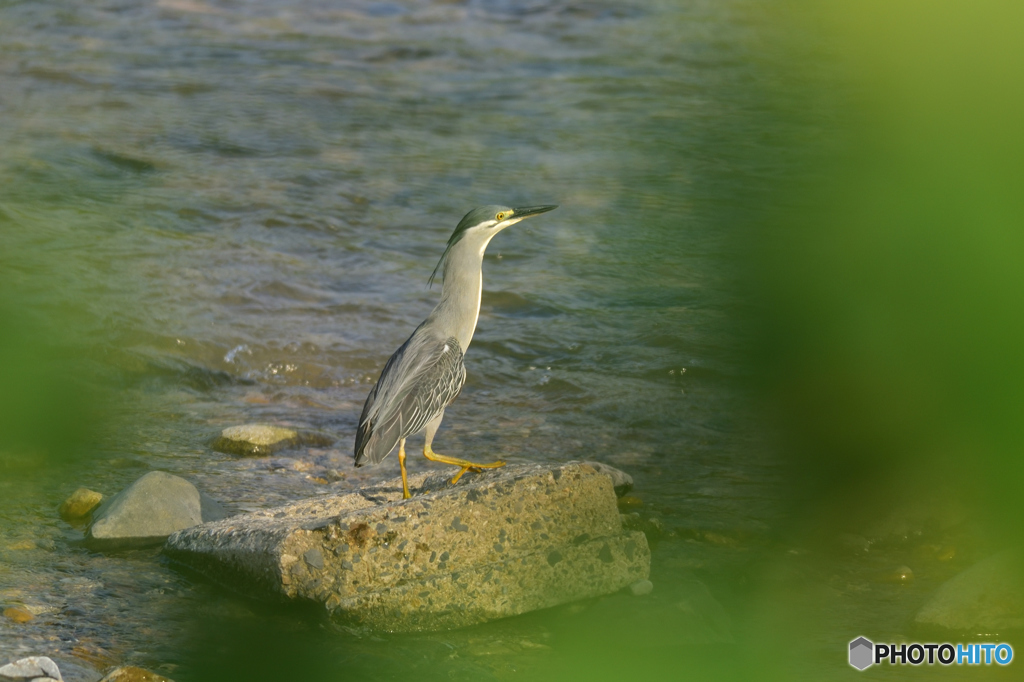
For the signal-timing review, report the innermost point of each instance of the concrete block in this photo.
(499, 543)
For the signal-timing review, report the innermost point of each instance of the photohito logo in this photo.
(864, 653)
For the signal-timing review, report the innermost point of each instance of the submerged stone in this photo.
(499, 543)
(18, 614)
(255, 440)
(149, 510)
(79, 504)
(130, 673)
(31, 668)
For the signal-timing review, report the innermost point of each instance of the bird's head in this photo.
(483, 222)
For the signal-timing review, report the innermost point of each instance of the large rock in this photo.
(149, 510)
(987, 598)
(36, 668)
(499, 543)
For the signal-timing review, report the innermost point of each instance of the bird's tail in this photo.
(373, 445)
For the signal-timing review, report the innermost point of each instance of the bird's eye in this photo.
(499, 217)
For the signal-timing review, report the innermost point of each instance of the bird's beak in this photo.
(531, 210)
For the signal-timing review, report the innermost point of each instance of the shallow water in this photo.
(230, 211)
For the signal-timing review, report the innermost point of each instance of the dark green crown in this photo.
(471, 219)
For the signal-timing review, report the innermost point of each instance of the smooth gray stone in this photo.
(149, 510)
(986, 598)
(499, 543)
(31, 668)
(621, 481)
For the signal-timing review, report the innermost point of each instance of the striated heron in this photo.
(426, 373)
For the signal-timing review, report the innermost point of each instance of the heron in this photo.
(427, 372)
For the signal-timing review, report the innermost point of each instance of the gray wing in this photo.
(421, 379)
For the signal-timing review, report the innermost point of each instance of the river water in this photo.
(226, 212)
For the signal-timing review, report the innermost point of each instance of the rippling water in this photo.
(230, 210)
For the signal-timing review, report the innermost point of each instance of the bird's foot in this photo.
(476, 469)
(464, 465)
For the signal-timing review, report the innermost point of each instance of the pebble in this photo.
(80, 504)
(17, 614)
(33, 668)
(130, 673)
(641, 587)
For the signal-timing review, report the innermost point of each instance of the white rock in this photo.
(31, 668)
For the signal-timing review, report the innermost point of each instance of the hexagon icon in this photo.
(861, 653)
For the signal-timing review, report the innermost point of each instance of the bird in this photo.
(426, 373)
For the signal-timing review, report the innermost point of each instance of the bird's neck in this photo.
(459, 308)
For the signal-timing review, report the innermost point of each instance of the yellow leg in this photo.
(401, 463)
(463, 465)
(462, 471)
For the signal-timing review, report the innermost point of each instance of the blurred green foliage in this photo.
(49, 407)
(889, 278)
(891, 284)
